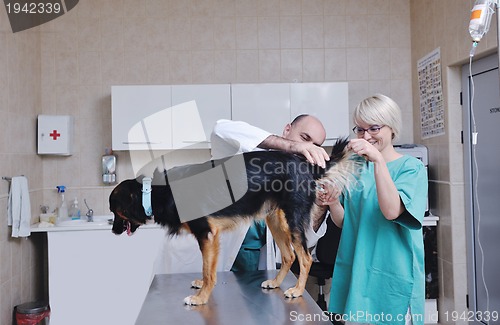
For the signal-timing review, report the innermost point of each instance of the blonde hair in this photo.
(381, 110)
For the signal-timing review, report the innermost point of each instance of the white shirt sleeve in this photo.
(313, 236)
(232, 137)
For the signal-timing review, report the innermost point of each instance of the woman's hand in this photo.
(328, 193)
(365, 149)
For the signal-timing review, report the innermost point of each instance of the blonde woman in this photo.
(379, 272)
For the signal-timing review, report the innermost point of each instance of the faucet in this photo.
(90, 212)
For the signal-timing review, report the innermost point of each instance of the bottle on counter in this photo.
(74, 210)
(62, 211)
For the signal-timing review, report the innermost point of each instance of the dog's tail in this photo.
(344, 166)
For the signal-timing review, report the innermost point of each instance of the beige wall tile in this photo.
(314, 65)
(224, 33)
(203, 66)
(246, 7)
(112, 66)
(379, 62)
(290, 32)
(356, 31)
(180, 67)
(269, 32)
(379, 29)
(357, 63)
(400, 63)
(112, 33)
(202, 33)
(335, 7)
(247, 66)
(268, 7)
(335, 31)
(179, 33)
(269, 65)
(313, 7)
(89, 34)
(89, 68)
(290, 7)
(312, 32)
(158, 68)
(224, 66)
(400, 31)
(135, 67)
(291, 61)
(247, 33)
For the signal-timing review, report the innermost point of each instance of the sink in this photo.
(98, 221)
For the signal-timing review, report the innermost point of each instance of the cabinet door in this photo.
(266, 106)
(196, 108)
(141, 117)
(327, 101)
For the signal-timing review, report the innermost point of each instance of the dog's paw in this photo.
(197, 284)
(293, 292)
(194, 301)
(270, 284)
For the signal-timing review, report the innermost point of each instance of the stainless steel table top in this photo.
(236, 299)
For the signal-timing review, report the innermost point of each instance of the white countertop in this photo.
(83, 227)
(430, 220)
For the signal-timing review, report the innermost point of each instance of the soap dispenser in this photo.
(62, 212)
(74, 211)
(108, 168)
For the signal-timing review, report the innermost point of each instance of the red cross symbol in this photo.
(54, 134)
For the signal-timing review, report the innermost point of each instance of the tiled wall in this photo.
(20, 259)
(101, 43)
(444, 24)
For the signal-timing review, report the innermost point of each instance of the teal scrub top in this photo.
(249, 254)
(379, 271)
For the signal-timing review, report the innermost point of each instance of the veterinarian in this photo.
(379, 272)
(304, 136)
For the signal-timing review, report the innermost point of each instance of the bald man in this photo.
(304, 136)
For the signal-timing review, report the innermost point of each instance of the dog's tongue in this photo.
(129, 233)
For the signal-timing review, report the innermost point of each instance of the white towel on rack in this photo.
(19, 207)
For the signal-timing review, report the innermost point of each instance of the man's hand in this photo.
(314, 154)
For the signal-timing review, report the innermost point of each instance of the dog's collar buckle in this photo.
(146, 196)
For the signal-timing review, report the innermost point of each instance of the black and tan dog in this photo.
(287, 210)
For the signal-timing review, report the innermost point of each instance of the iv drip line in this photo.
(475, 185)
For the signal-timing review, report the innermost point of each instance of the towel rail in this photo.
(8, 179)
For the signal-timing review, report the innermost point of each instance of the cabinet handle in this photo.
(195, 141)
(140, 142)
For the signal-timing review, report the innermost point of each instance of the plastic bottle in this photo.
(480, 19)
(74, 210)
(62, 212)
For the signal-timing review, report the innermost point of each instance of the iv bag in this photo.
(480, 19)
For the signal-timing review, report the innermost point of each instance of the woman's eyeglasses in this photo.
(374, 129)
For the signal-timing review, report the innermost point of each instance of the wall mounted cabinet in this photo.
(266, 106)
(182, 116)
(135, 109)
(327, 101)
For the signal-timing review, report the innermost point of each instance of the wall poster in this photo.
(431, 94)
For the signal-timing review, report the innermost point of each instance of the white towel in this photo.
(19, 207)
